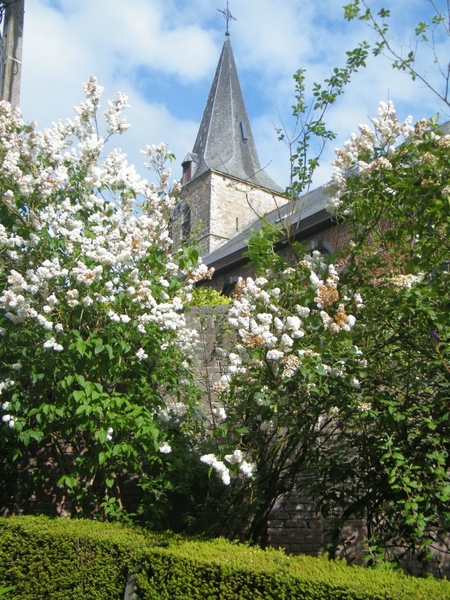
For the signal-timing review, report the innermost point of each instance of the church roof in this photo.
(225, 141)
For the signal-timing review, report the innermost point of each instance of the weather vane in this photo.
(228, 17)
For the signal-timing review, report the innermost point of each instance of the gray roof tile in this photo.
(225, 141)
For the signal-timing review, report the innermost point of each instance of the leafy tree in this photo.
(391, 188)
(310, 134)
(94, 380)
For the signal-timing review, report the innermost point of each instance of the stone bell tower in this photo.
(224, 188)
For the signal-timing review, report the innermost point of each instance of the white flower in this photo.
(52, 345)
(48, 325)
(225, 475)
(293, 323)
(218, 466)
(109, 434)
(235, 458)
(165, 448)
(336, 372)
(87, 301)
(208, 459)
(141, 355)
(220, 413)
(354, 382)
(3, 386)
(274, 355)
(286, 342)
(10, 419)
(234, 358)
(247, 469)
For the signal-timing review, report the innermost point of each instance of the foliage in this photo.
(355, 409)
(391, 188)
(207, 296)
(310, 134)
(66, 559)
(292, 367)
(95, 351)
(219, 569)
(426, 47)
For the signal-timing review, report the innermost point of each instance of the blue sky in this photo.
(163, 54)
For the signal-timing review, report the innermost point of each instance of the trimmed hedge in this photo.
(77, 560)
(221, 570)
(63, 559)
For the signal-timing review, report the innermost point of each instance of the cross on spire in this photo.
(228, 17)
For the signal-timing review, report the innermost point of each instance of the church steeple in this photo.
(225, 141)
(224, 189)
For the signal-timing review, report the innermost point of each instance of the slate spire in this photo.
(225, 141)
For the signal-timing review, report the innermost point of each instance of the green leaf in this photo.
(79, 395)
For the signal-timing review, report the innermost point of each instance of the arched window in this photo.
(186, 224)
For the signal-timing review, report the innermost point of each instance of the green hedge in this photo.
(220, 570)
(77, 560)
(63, 559)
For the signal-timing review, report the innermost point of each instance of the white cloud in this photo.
(163, 53)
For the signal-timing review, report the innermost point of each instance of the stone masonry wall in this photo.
(220, 207)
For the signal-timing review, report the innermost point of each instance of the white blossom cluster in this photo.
(100, 221)
(405, 281)
(165, 448)
(256, 315)
(218, 465)
(245, 468)
(280, 331)
(10, 419)
(363, 153)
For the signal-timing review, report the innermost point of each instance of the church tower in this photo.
(224, 188)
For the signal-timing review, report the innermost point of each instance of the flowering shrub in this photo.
(349, 400)
(292, 378)
(391, 188)
(95, 351)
